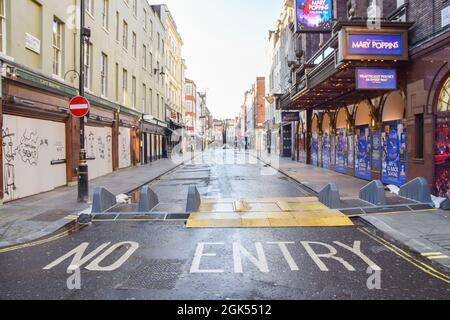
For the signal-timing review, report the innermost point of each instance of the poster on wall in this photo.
(363, 152)
(341, 155)
(32, 149)
(351, 150)
(376, 151)
(326, 150)
(124, 147)
(98, 141)
(393, 157)
(315, 150)
(287, 141)
(314, 15)
(442, 158)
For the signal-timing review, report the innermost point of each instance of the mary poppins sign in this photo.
(375, 44)
(313, 15)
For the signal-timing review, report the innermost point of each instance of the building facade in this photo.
(372, 111)
(40, 73)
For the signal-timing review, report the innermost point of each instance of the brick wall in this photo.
(260, 93)
(427, 18)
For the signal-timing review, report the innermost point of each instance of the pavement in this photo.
(425, 233)
(37, 216)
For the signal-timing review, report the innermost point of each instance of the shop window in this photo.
(419, 126)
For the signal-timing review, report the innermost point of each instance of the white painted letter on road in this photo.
(95, 265)
(331, 255)
(195, 267)
(260, 262)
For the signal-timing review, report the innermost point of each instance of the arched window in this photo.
(444, 98)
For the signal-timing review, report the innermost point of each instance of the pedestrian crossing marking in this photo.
(267, 213)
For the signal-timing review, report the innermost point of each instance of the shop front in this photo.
(152, 139)
(352, 92)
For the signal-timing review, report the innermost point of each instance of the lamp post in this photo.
(83, 179)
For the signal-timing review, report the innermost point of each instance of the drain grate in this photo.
(158, 274)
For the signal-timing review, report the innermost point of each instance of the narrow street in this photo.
(166, 260)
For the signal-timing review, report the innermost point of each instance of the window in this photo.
(117, 26)
(89, 6)
(157, 72)
(117, 82)
(150, 107)
(125, 86)
(189, 106)
(444, 98)
(144, 97)
(134, 45)
(189, 90)
(144, 56)
(134, 7)
(105, 14)
(144, 22)
(57, 47)
(133, 92)
(125, 35)
(87, 64)
(104, 75)
(419, 126)
(151, 63)
(158, 38)
(151, 29)
(2, 26)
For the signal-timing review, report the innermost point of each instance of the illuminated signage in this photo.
(376, 79)
(313, 15)
(375, 44)
(290, 116)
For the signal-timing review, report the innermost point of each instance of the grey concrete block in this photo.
(445, 205)
(193, 200)
(374, 193)
(418, 190)
(103, 200)
(148, 200)
(330, 197)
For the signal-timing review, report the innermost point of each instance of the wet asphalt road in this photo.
(171, 262)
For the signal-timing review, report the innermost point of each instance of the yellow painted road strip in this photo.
(427, 254)
(409, 258)
(438, 257)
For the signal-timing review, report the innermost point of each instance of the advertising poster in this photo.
(363, 152)
(326, 150)
(287, 141)
(351, 150)
(442, 158)
(394, 152)
(314, 15)
(376, 79)
(376, 151)
(315, 150)
(341, 155)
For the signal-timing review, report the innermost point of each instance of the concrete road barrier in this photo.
(193, 200)
(148, 200)
(374, 193)
(330, 197)
(103, 200)
(417, 190)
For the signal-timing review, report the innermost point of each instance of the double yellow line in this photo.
(408, 257)
(39, 242)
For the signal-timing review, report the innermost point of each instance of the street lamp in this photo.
(83, 178)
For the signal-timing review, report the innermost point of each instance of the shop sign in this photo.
(393, 138)
(32, 43)
(375, 44)
(341, 156)
(313, 15)
(376, 79)
(290, 116)
(363, 152)
(442, 157)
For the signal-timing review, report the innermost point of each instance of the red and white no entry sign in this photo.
(79, 106)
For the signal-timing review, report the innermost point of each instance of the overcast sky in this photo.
(224, 46)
